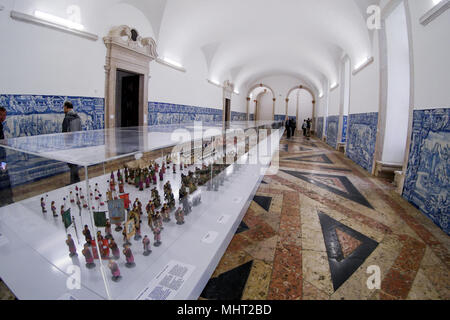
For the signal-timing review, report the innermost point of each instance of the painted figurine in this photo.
(108, 230)
(53, 208)
(81, 194)
(87, 235)
(147, 181)
(97, 191)
(71, 244)
(121, 188)
(43, 205)
(101, 200)
(179, 216)
(114, 270)
(88, 256)
(157, 237)
(125, 238)
(115, 249)
(129, 257)
(118, 227)
(165, 211)
(174, 169)
(71, 197)
(137, 235)
(146, 243)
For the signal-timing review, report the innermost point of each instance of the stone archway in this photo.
(301, 87)
(127, 51)
(261, 85)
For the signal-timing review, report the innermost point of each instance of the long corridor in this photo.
(323, 228)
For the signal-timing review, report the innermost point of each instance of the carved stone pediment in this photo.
(124, 37)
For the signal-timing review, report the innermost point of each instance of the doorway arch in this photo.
(256, 86)
(127, 52)
(311, 92)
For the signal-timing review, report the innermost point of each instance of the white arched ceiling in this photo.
(241, 39)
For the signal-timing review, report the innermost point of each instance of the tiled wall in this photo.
(362, 135)
(427, 183)
(332, 130)
(280, 117)
(238, 116)
(251, 117)
(166, 113)
(30, 115)
(319, 127)
(344, 129)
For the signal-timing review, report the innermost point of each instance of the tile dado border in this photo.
(428, 173)
(362, 136)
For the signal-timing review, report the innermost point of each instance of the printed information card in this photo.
(168, 282)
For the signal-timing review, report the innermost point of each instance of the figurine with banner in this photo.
(129, 231)
(67, 218)
(116, 210)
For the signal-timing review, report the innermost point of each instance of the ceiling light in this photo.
(57, 20)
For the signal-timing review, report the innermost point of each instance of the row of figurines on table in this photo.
(107, 243)
(189, 185)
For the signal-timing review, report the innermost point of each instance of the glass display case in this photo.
(153, 213)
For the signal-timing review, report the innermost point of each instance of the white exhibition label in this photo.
(210, 237)
(224, 219)
(3, 239)
(168, 282)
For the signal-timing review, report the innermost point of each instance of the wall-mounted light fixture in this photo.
(58, 20)
(236, 92)
(439, 6)
(215, 83)
(334, 86)
(359, 67)
(172, 64)
(54, 22)
(321, 95)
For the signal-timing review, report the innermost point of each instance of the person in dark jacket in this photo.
(293, 125)
(287, 125)
(6, 196)
(71, 123)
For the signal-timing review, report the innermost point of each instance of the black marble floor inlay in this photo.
(284, 147)
(229, 285)
(312, 159)
(343, 267)
(336, 169)
(242, 228)
(264, 202)
(351, 192)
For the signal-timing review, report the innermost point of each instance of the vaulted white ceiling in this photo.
(246, 39)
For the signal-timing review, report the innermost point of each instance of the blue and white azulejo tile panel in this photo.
(165, 113)
(344, 128)
(362, 136)
(427, 182)
(332, 130)
(238, 116)
(30, 115)
(280, 117)
(319, 127)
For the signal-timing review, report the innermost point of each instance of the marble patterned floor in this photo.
(315, 228)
